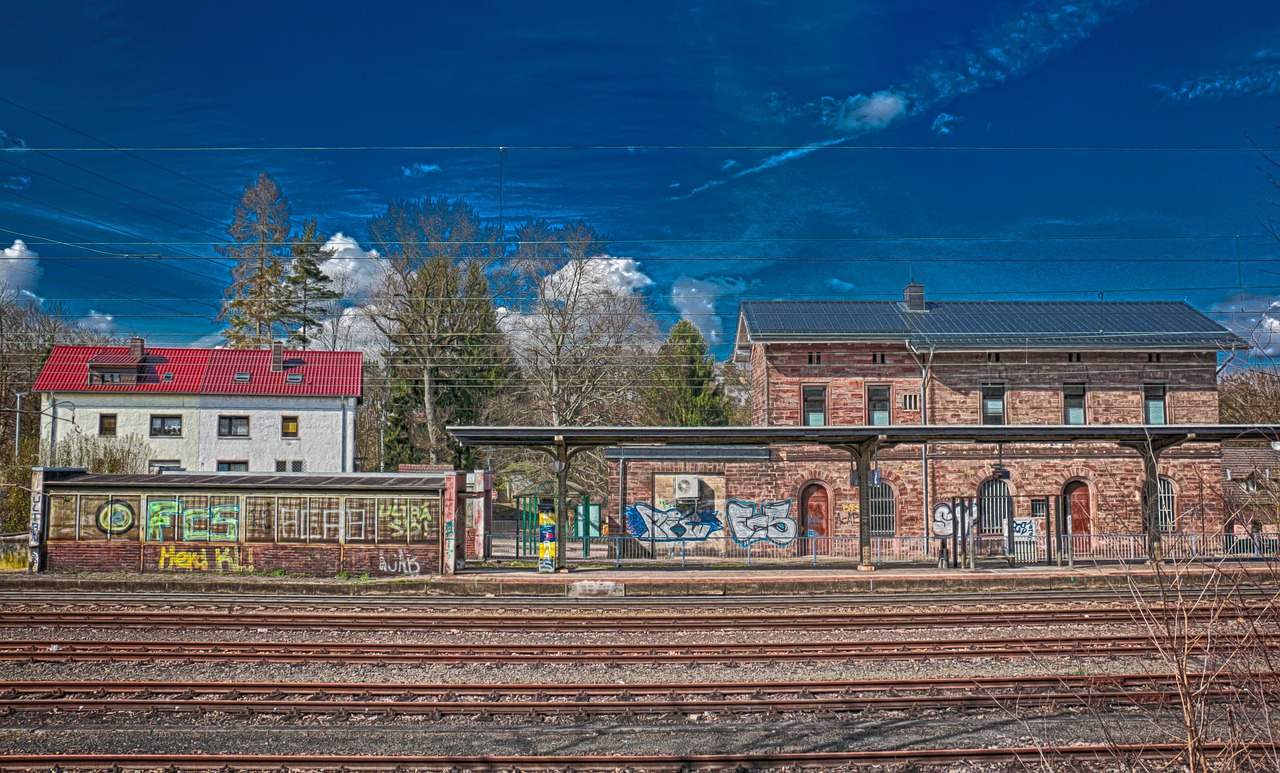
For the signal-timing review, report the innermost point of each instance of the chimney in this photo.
(137, 346)
(913, 297)
(277, 356)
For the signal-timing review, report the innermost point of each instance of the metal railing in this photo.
(620, 550)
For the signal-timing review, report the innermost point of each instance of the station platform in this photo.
(656, 583)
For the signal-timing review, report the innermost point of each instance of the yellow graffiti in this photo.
(225, 560)
(173, 558)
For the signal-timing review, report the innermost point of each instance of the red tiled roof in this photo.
(206, 371)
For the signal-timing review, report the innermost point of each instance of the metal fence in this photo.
(626, 550)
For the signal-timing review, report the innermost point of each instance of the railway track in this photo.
(417, 621)
(243, 763)
(680, 653)
(536, 700)
(735, 604)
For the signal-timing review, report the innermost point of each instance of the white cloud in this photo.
(942, 124)
(15, 183)
(103, 324)
(1257, 78)
(352, 330)
(728, 164)
(840, 284)
(696, 300)
(211, 341)
(861, 113)
(19, 266)
(419, 170)
(356, 272)
(619, 276)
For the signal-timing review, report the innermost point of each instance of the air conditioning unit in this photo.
(687, 486)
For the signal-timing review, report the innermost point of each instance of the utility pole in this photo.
(17, 426)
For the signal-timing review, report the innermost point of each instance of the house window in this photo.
(993, 403)
(288, 426)
(1153, 408)
(1250, 483)
(160, 465)
(166, 377)
(233, 466)
(282, 465)
(813, 411)
(911, 402)
(884, 511)
(1073, 404)
(877, 358)
(166, 426)
(993, 356)
(878, 405)
(1153, 356)
(109, 377)
(107, 424)
(233, 426)
(1165, 506)
(1075, 357)
(815, 358)
(295, 465)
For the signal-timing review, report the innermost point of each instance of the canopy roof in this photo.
(853, 435)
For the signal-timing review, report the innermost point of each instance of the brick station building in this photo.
(818, 363)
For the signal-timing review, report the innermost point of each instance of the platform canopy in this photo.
(896, 434)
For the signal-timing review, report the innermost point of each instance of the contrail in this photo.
(1009, 47)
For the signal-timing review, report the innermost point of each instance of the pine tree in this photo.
(683, 391)
(310, 291)
(255, 301)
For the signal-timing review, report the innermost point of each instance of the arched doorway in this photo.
(1075, 496)
(995, 506)
(815, 515)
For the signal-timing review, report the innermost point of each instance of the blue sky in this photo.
(991, 150)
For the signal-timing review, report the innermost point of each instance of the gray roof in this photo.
(1051, 324)
(719, 453)
(238, 480)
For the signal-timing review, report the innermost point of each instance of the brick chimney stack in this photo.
(277, 356)
(137, 346)
(913, 297)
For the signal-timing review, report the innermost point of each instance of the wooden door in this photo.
(1078, 501)
(815, 504)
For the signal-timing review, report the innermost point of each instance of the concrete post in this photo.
(561, 468)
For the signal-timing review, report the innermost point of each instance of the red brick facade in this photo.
(945, 388)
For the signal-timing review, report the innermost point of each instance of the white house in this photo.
(234, 410)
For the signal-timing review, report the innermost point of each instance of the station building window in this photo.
(813, 409)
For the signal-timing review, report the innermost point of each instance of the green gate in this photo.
(584, 524)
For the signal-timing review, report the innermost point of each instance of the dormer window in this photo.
(166, 377)
(293, 378)
(242, 378)
(109, 377)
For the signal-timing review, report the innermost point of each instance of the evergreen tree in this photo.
(310, 292)
(255, 304)
(683, 391)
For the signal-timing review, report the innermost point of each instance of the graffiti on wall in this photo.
(671, 524)
(224, 559)
(399, 562)
(750, 523)
(37, 519)
(945, 518)
(847, 515)
(220, 523)
(115, 517)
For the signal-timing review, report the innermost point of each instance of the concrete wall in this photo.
(325, 442)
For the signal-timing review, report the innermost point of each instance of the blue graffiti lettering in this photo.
(671, 525)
